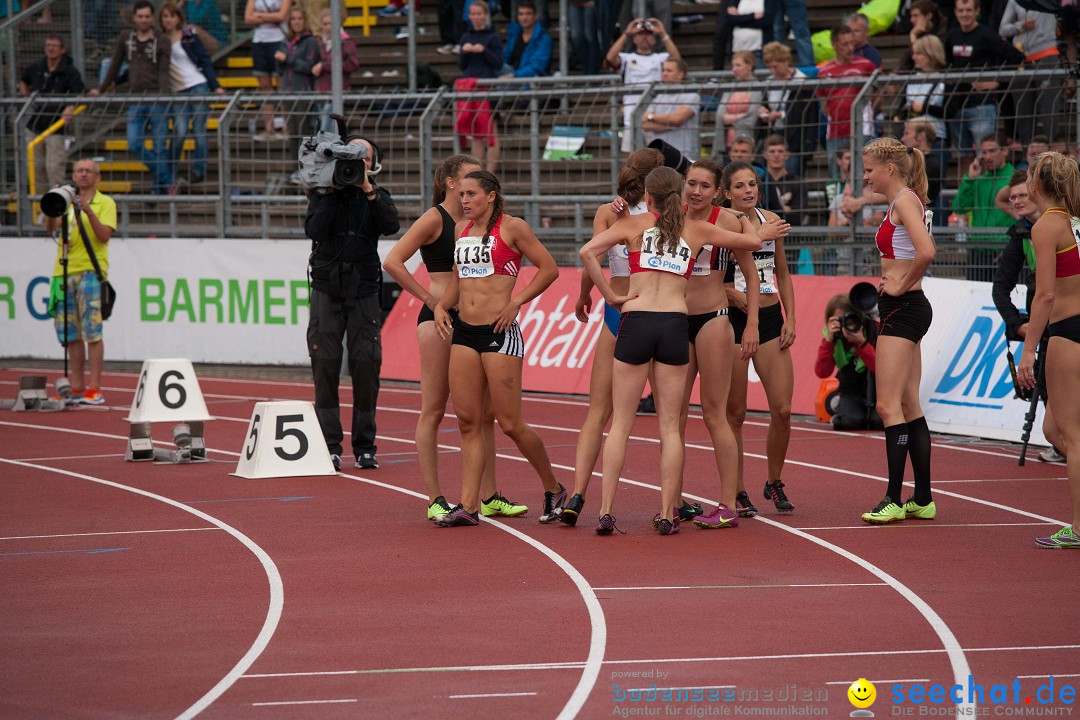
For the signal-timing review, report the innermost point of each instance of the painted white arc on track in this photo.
(273, 577)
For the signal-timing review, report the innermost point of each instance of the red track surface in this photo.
(394, 618)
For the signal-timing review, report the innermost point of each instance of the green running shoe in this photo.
(885, 512)
(1064, 539)
(498, 505)
(921, 512)
(438, 509)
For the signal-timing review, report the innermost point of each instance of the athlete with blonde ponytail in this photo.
(662, 247)
(1054, 184)
(487, 347)
(907, 249)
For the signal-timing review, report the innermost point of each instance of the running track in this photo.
(132, 590)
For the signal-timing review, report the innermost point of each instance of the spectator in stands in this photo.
(528, 45)
(743, 149)
(205, 16)
(192, 73)
(644, 65)
(451, 26)
(738, 109)
(926, 19)
(925, 99)
(921, 135)
(791, 111)
(1039, 144)
(860, 27)
(585, 35)
(973, 46)
(481, 57)
(267, 16)
(747, 20)
(673, 117)
(783, 192)
(54, 74)
(1034, 34)
(1015, 266)
(299, 57)
(851, 354)
(99, 21)
(837, 101)
(795, 10)
(986, 174)
(148, 54)
(350, 61)
(96, 213)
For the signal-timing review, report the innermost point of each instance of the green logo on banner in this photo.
(211, 300)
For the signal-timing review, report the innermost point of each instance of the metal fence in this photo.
(561, 144)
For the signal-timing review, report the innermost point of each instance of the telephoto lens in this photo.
(63, 388)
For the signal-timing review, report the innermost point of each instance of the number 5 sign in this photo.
(168, 391)
(284, 440)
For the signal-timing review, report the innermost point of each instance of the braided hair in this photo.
(449, 168)
(489, 183)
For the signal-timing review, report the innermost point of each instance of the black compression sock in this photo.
(919, 449)
(896, 452)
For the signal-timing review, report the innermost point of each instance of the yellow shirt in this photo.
(78, 259)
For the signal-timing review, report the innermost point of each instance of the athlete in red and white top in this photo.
(487, 347)
(654, 327)
(1054, 184)
(907, 248)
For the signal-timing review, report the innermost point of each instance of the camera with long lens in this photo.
(327, 163)
(55, 202)
(864, 298)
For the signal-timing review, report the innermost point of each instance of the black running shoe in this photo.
(775, 491)
(553, 505)
(743, 506)
(668, 527)
(570, 512)
(689, 511)
(646, 405)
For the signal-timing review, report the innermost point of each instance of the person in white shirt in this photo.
(644, 65)
(673, 117)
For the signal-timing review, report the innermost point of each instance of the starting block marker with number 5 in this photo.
(284, 440)
(168, 391)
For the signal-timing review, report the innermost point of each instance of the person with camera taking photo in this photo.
(78, 317)
(848, 347)
(643, 65)
(344, 225)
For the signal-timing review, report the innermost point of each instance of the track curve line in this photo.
(277, 591)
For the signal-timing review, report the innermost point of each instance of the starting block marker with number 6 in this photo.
(284, 440)
(168, 391)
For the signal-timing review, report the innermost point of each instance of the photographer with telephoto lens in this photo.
(345, 218)
(848, 348)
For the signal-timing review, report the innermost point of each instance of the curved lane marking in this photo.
(277, 591)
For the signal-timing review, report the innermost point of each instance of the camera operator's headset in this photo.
(376, 160)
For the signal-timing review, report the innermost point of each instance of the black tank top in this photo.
(439, 255)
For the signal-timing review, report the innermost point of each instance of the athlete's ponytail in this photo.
(449, 168)
(631, 183)
(665, 186)
(909, 162)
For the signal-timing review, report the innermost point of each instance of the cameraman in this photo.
(344, 226)
(848, 346)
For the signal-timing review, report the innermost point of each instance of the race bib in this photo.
(766, 270)
(473, 257)
(703, 263)
(677, 262)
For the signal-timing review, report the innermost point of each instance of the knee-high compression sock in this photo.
(896, 452)
(919, 449)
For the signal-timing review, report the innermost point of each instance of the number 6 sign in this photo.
(284, 440)
(168, 391)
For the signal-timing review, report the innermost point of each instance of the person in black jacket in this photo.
(1017, 265)
(481, 57)
(344, 227)
(54, 74)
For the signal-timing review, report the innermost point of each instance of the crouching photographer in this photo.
(347, 213)
(848, 347)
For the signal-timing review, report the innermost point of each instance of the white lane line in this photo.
(117, 532)
(492, 695)
(303, 702)
(745, 587)
(67, 457)
(880, 682)
(598, 635)
(1000, 480)
(571, 665)
(273, 577)
(1040, 677)
(921, 524)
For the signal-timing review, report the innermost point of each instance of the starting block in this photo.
(188, 437)
(168, 391)
(32, 396)
(284, 440)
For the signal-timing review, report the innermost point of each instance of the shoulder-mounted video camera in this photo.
(328, 163)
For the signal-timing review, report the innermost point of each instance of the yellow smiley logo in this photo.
(862, 693)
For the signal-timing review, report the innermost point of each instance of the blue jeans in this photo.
(152, 120)
(585, 37)
(833, 146)
(607, 14)
(196, 114)
(100, 21)
(976, 122)
(800, 25)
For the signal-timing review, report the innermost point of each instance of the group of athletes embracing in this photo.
(695, 289)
